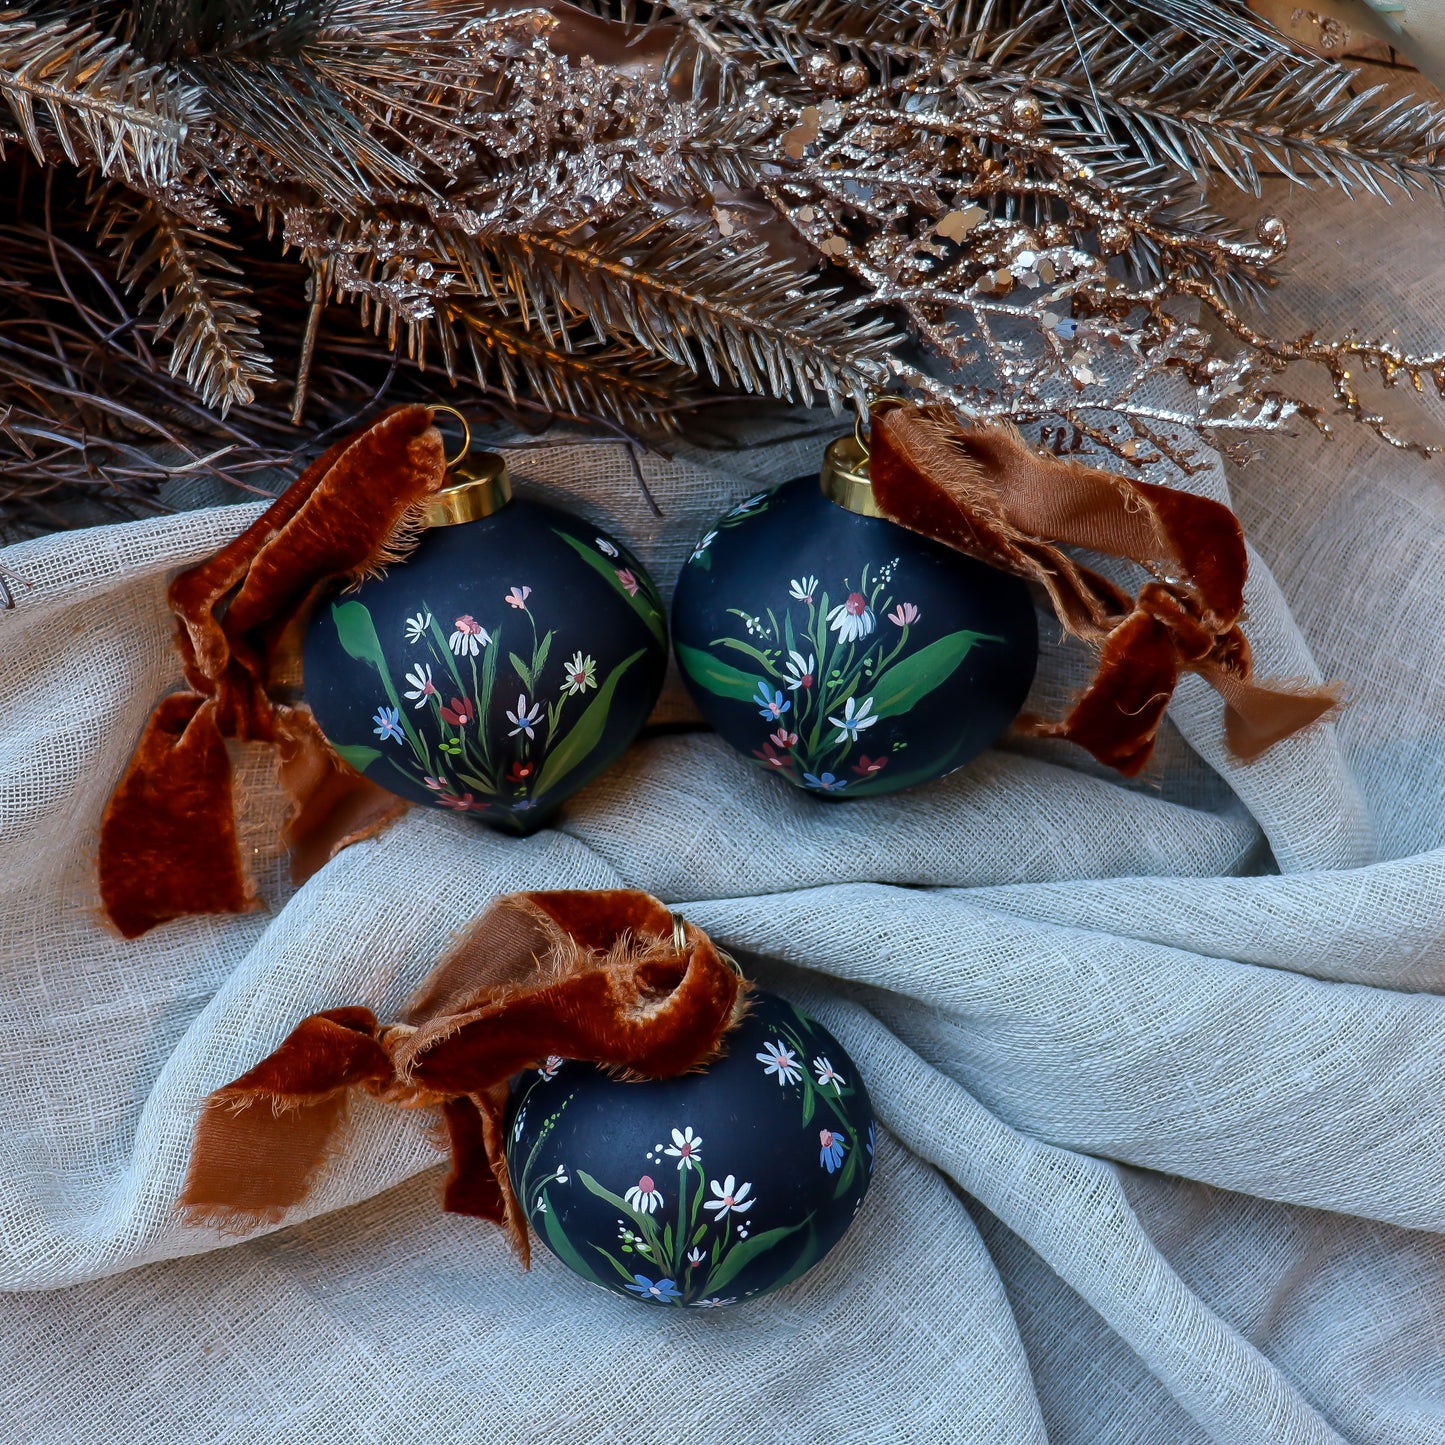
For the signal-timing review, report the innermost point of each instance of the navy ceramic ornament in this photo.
(506, 663)
(841, 651)
(701, 1190)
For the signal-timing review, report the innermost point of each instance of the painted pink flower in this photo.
(903, 614)
(783, 738)
(865, 767)
(772, 757)
(518, 596)
(628, 580)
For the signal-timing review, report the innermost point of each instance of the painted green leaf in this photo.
(641, 604)
(743, 1253)
(522, 671)
(716, 676)
(358, 755)
(357, 633)
(602, 1192)
(622, 1269)
(806, 1260)
(563, 1247)
(914, 677)
(576, 747)
(539, 662)
(748, 650)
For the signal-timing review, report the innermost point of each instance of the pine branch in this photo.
(1186, 86)
(350, 98)
(728, 312)
(83, 95)
(216, 344)
(642, 392)
(1181, 100)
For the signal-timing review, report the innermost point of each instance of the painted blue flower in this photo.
(770, 702)
(828, 783)
(388, 723)
(872, 1143)
(662, 1290)
(830, 1156)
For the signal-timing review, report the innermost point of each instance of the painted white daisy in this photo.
(644, 1196)
(704, 543)
(422, 687)
(415, 626)
(802, 588)
(469, 636)
(751, 503)
(826, 1073)
(780, 1060)
(581, 674)
(686, 1147)
(800, 670)
(605, 547)
(852, 618)
(729, 1197)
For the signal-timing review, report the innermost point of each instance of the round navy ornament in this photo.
(705, 1189)
(502, 666)
(841, 651)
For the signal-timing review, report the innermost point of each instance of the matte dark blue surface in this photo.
(800, 1137)
(943, 667)
(576, 593)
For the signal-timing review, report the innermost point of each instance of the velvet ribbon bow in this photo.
(607, 976)
(984, 491)
(168, 844)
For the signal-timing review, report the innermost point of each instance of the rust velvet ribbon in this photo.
(608, 976)
(984, 491)
(168, 844)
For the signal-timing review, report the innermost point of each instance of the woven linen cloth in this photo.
(1160, 1065)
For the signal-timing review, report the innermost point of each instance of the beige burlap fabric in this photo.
(1161, 1065)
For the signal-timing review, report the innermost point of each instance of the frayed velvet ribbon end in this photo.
(168, 844)
(604, 976)
(986, 492)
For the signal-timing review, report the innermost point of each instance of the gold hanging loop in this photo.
(466, 431)
(865, 451)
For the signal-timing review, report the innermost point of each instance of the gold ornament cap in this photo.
(478, 486)
(844, 478)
